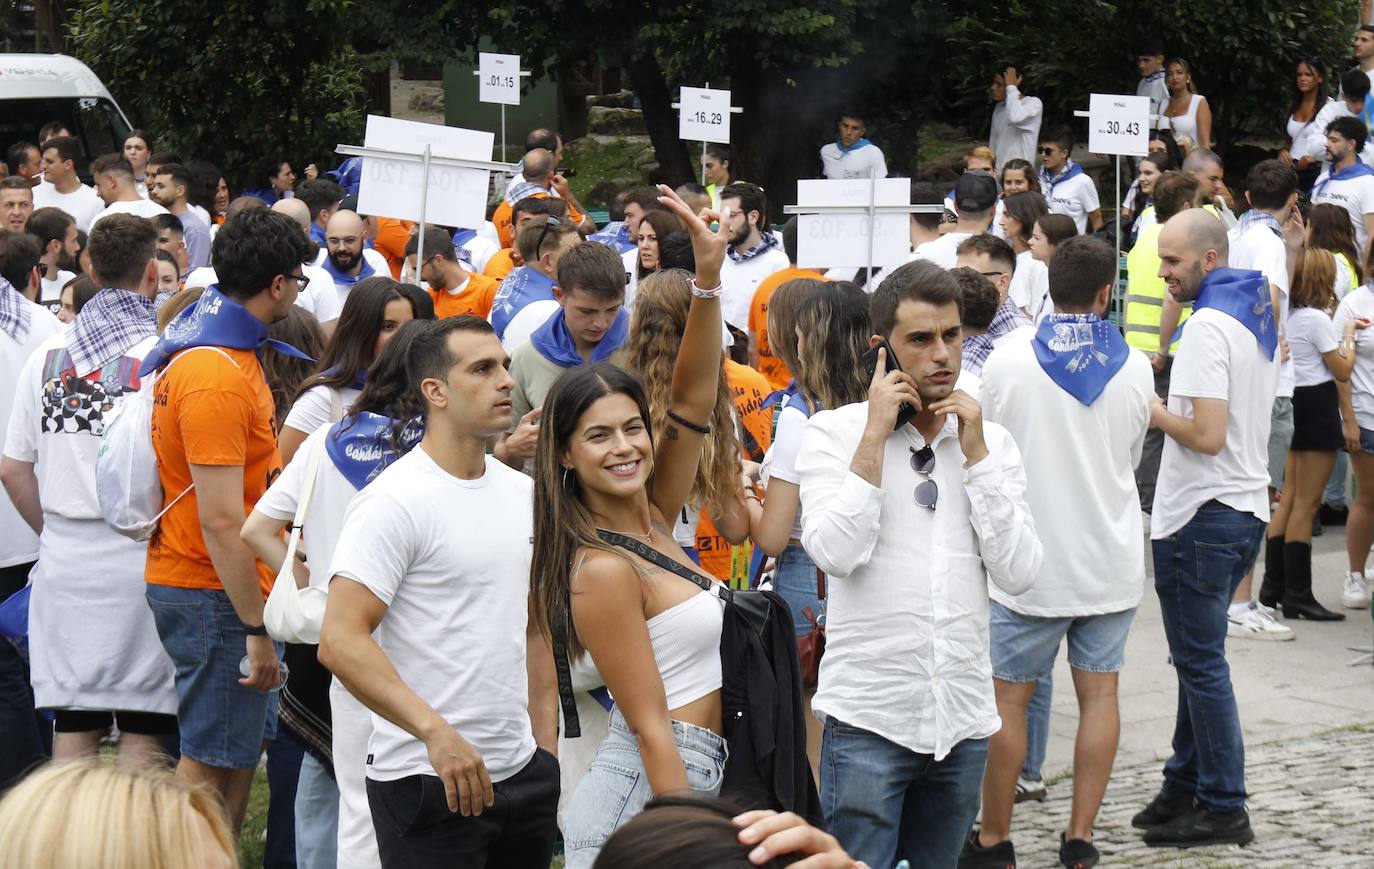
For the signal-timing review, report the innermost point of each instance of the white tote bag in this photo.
(291, 614)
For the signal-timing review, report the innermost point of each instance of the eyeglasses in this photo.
(544, 233)
(346, 242)
(923, 463)
(301, 281)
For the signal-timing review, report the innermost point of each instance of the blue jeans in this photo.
(317, 816)
(1197, 571)
(1338, 486)
(887, 803)
(795, 582)
(283, 772)
(1038, 729)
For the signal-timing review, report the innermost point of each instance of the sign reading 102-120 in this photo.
(1119, 124)
(498, 78)
(704, 115)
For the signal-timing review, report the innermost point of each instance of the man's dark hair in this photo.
(437, 243)
(541, 138)
(112, 164)
(789, 239)
(121, 246)
(1060, 136)
(48, 224)
(1172, 192)
(67, 147)
(980, 298)
(675, 252)
(535, 205)
(854, 113)
(253, 247)
(1149, 47)
(1271, 183)
(998, 251)
(429, 353)
(319, 194)
(167, 223)
(751, 198)
(1079, 269)
(16, 182)
(162, 158)
(18, 153)
(527, 243)
(645, 197)
(918, 281)
(1354, 83)
(49, 130)
(179, 174)
(594, 269)
(926, 193)
(19, 253)
(1351, 128)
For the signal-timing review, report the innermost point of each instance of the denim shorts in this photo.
(1024, 647)
(1367, 440)
(616, 787)
(223, 724)
(794, 580)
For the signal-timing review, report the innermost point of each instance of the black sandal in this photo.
(1077, 853)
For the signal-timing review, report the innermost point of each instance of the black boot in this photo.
(1271, 589)
(1298, 601)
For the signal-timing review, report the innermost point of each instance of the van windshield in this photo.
(94, 121)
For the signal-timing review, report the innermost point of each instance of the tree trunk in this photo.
(646, 76)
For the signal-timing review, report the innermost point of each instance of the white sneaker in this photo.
(1030, 790)
(1253, 623)
(1356, 594)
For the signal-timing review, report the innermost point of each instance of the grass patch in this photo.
(596, 163)
(253, 836)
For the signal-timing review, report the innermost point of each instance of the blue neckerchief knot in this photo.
(555, 343)
(1244, 295)
(344, 279)
(365, 444)
(1354, 170)
(214, 321)
(1081, 353)
(854, 147)
(1069, 170)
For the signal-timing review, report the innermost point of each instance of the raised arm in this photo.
(695, 376)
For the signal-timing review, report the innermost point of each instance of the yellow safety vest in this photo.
(1145, 293)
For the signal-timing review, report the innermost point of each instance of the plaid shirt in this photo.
(15, 315)
(1006, 320)
(767, 241)
(109, 324)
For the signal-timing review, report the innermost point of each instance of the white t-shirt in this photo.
(741, 279)
(631, 260)
(50, 292)
(1219, 358)
(1016, 128)
(943, 251)
(18, 543)
(316, 407)
(1076, 197)
(1030, 286)
(858, 163)
(450, 558)
(83, 203)
(479, 250)
(1055, 431)
(1259, 249)
(1355, 195)
(526, 321)
(1359, 302)
(324, 515)
(1310, 334)
(319, 297)
(136, 207)
(780, 463)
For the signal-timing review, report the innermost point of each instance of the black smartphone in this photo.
(906, 411)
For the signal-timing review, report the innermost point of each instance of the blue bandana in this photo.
(317, 235)
(1080, 352)
(555, 343)
(1070, 170)
(1244, 295)
(214, 321)
(346, 280)
(361, 446)
(521, 286)
(615, 235)
(349, 175)
(854, 147)
(1354, 170)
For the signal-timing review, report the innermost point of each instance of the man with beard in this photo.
(343, 257)
(906, 682)
(1347, 181)
(56, 232)
(169, 187)
(754, 253)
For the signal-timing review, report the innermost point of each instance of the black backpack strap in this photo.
(572, 727)
(653, 556)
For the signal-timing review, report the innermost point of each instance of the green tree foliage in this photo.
(229, 81)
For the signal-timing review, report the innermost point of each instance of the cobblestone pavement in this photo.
(1311, 804)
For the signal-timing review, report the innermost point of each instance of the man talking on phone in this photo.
(911, 504)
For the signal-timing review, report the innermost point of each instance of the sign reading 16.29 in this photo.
(715, 119)
(704, 115)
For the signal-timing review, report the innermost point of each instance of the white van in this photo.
(38, 88)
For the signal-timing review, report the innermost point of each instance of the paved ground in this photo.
(1309, 729)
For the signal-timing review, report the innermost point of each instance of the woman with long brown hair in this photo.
(653, 636)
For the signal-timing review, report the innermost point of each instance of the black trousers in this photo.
(416, 830)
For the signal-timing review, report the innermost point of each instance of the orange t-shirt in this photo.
(748, 390)
(505, 212)
(771, 366)
(502, 263)
(392, 235)
(476, 297)
(208, 410)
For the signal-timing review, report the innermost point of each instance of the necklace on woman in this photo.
(647, 536)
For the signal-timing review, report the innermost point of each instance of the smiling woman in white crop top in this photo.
(653, 635)
(1186, 113)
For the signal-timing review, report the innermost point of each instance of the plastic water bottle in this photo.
(245, 667)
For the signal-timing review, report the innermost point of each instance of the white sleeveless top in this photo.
(1186, 123)
(686, 641)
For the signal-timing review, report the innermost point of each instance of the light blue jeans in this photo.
(616, 787)
(317, 816)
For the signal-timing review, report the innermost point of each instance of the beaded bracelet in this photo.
(707, 294)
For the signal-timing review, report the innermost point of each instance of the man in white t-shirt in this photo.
(1077, 389)
(57, 236)
(1211, 505)
(1015, 119)
(754, 253)
(61, 188)
(114, 181)
(430, 632)
(1149, 61)
(1363, 49)
(1067, 188)
(1347, 181)
(851, 155)
(975, 198)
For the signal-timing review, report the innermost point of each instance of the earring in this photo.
(566, 471)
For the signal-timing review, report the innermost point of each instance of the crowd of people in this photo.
(641, 542)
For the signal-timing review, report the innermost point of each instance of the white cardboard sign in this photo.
(1119, 124)
(391, 188)
(498, 78)
(841, 239)
(704, 115)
